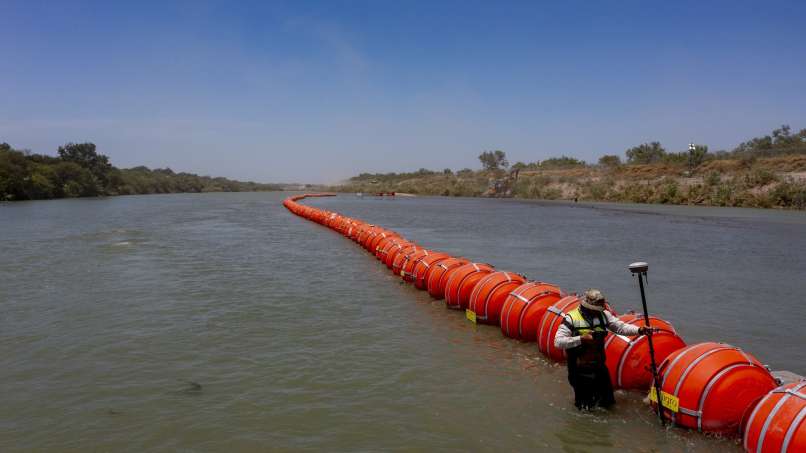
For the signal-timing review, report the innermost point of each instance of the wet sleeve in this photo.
(620, 327)
(565, 339)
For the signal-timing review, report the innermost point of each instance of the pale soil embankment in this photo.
(765, 183)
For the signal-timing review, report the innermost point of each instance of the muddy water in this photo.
(221, 321)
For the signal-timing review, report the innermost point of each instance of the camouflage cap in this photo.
(594, 300)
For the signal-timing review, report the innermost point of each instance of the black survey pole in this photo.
(641, 268)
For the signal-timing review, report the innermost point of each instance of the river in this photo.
(211, 322)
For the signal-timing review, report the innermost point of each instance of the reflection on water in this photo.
(221, 321)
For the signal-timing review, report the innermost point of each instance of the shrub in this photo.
(759, 177)
(789, 194)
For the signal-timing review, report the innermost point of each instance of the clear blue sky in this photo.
(318, 91)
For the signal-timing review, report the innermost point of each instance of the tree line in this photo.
(80, 171)
(781, 141)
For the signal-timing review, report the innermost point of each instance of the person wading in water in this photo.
(582, 335)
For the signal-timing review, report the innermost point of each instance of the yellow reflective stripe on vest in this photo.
(581, 327)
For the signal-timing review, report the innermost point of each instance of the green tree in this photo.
(646, 153)
(561, 162)
(84, 154)
(40, 187)
(493, 160)
(14, 174)
(610, 161)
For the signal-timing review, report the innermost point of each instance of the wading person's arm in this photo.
(620, 327)
(565, 339)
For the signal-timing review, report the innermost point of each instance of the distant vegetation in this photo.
(80, 171)
(768, 171)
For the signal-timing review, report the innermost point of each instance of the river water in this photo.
(214, 322)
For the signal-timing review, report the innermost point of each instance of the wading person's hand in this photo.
(587, 338)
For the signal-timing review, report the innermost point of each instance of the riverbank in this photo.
(80, 171)
(770, 182)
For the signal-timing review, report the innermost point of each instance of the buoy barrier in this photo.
(423, 265)
(778, 421)
(402, 258)
(461, 282)
(711, 386)
(438, 276)
(524, 308)
(366, 234)
(407, 269)
(398, 255)
(628, 357)
(393, 249)
(385, 245)
(489, 294)
(378, 239)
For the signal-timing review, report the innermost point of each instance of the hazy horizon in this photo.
(319, 91)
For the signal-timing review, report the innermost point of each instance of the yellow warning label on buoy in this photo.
(471, 315)
(670, 401)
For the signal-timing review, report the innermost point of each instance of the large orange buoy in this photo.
(524, 308)
(402, 258)
(424, 265)
(437, 276)
(384, 245)
(375, 242)
(715, 385)
(489, 294)
(396, 255)
(392, 249)
(549, 325)
(361, 231)
(353, 228)
(407, 270)
(628, 357)
(461, 283)
(778, 421)
(367, 234)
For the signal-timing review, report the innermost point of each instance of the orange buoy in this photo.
(778, 421)
(407, 270)
(402, 258)
(366, 233)
(361, 232)
(628, 357)
(461, 283)
(424, 265)
(552, 319)
(352, 229)
(399, 252)
(490, 293)
(715, 385)
(393, 249)
(524, 308)
(375, 243)
(384, 245)
(437, 276)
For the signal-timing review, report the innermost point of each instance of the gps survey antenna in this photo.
(640, 269)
